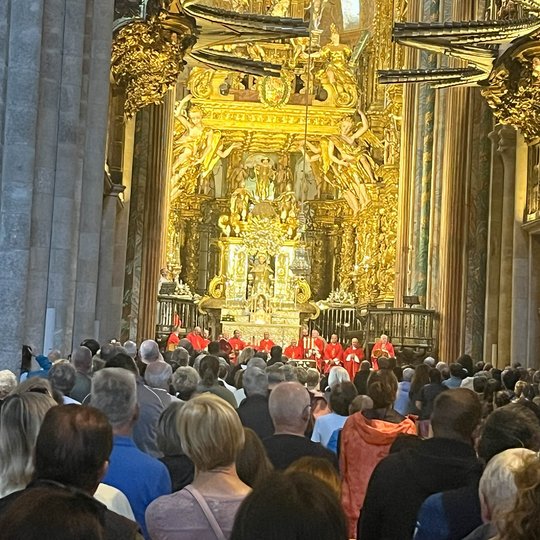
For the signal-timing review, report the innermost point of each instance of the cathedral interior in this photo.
(356, 167)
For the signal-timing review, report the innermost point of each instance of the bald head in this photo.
(81, 358)
(289, 408)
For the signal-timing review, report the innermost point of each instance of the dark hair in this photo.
(479, 384)
(435, 376)
(276, 352)
(502, 398)
(456, 370)
(512, 426)
(123, 360)
(62, 376)
(293, 506)
(456, 413)
(73, 444)
(341, 396)
(509, 379)
(91, 344)
(252, 463)
(209, 370)
(53, 512)
(420, 378)
(382, 388)
(213, 348)
(466, 362)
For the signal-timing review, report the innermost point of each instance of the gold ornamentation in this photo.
(146, 62)
(264, 235)
(274, 91)
(303, 291)
(216, 288)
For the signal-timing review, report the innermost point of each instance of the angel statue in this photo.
(196, 151)
(287, 204)
(264, 175)
(337, 72)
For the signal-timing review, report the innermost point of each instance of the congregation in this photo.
(225, 440)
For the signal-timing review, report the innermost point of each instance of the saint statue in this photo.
(264, 175)
(262, 275)
(239, 204)
(337, 71)
(283, 174)
(288, 210)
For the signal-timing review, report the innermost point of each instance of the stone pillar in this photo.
(507, 148)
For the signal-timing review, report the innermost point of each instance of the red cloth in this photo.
(197, 341)
(370, 440)
(387, 347)
(293, 352)
(313, 347)
(172, 341)
(333, 355)
(265, 345)
(237, 344)
(351, 360)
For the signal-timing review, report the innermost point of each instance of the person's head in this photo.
(290, 506)
(521, 389)
(266, 335)
(107, 351)
(223, 368)
(186, 344)
(320, 468)
(168, 438)
(408, 374)
(91, 344)
(8, 382)
(435, 376)
(180, 357)
(213, 348)
(149, 351)
(197, 330)
(355, 344)
(501, 399)
(523, 520)
(382, 388)
(81, 359)
(338, 375)
(50, 512)
(456, 414)
(185, 380)
(211, 432)
(512, 426)
(237, 334)
(275, 376)
(341, 397)
(252, 463)
(158, 375)
(62, 376)
(289, 406)
(420, 377)
(39, 385)
(509, 378)
(365, 365)
(313, 379)
(258, 362)
(255, 382)
(73, 446)
(315, 333)
(301, 375)
(289, 372)
(360, 403)
(430, 361)
(456, 370)
(497, 488)
(131, 348)
(124, 361)
(276, 352)
(479, 384)
(209, 370)
(441, 366)
(246, 355)
(20, 419)
(384, 338)
(466, 362)
(114, 392)
(294, 342)
(334, 338)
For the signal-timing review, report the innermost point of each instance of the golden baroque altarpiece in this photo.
(300, 166)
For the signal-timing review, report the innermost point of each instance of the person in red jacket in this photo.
(196, 338)
(381, 348)
(314, 346)
(236, 343)
(173, 340)
(294, 351)
(333, 355)
(266, 343)
(352, 357)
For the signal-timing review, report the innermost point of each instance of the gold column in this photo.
(347, 256)
(453, 223)
(155, 213)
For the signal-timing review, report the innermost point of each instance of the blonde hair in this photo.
(211, 432)
(21, 416)
(321, 468)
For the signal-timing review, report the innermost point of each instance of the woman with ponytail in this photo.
(209, 371)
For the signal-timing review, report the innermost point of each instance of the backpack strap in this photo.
(197, 495)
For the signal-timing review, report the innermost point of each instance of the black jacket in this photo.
(254, 414)
(401, 482)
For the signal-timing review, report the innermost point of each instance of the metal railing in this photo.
(174, 308)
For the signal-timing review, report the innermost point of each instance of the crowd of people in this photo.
(220, 440)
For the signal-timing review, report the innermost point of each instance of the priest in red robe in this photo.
(382, 348)
(173, 340)
(266, 343)
(333, 355)
(294, 351)
(196, 338)
(236, 343)
(314, 347)
(352, 357)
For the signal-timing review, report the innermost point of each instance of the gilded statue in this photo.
(240, 200)
(261, 274)
(317, 8)
(280, 8)
(336, 71)
(196, 151)
(283, 173)
(287, 204)
(264, 177)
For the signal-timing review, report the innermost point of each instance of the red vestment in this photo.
(351, 360)
(313, 348)
(380, 346)
(197, 341)
(237, 345)
(294, 352)
(333, 355)
(172, 341)
(265, 345)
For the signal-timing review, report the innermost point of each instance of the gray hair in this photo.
(62, 376)
(255, 381)
(8, 382)
(149, 351)
(81, 358)
(158, 375)
(185, 380)
(180, 356)
(257, 361)
(289, 373)
(313, 378)
(338, 375)
(114, 392)
(131, 348)
(275, 375)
